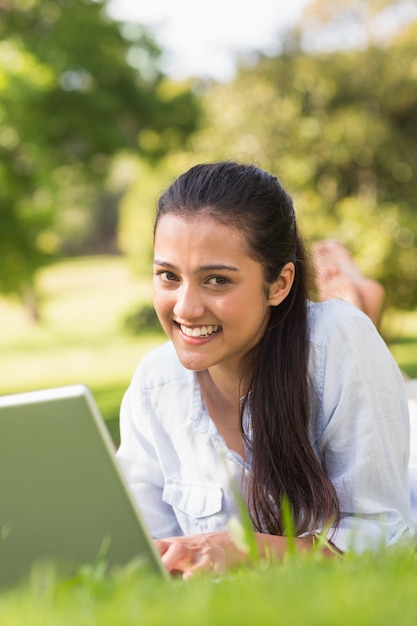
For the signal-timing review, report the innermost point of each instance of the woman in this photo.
(258, 387)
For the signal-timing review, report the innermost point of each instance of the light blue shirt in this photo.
(181, 472)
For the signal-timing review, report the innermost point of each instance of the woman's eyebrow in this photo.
(164, 263)
(202, 268)
(218, 266)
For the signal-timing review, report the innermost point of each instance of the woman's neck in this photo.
(221, 396)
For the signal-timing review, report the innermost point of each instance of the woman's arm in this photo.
(362, 436)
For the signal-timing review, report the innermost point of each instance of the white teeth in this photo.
(202, 331)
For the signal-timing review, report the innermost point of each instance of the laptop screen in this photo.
(62, 494)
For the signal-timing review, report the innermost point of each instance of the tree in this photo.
(76, 88)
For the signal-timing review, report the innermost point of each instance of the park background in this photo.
(93, 127)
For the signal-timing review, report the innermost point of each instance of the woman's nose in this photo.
(189, 304)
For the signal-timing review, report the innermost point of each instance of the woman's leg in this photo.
(338, 276)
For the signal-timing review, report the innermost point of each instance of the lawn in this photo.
(364, 591)
(81, 338)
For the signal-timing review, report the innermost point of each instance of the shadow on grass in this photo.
(404, 340)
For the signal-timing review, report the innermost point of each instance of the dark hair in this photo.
(275, 372)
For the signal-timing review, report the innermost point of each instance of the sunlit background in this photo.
(204, 39)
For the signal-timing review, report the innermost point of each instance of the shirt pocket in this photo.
(197, 506)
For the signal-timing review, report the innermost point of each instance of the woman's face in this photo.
(210, 296)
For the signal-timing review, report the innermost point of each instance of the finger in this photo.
(203, 563)
(210, 559)
(178, 557)
(161, 545)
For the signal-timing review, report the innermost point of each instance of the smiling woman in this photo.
(258, 388)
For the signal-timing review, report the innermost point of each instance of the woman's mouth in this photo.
(199, 331)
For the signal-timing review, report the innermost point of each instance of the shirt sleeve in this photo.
(364, 438)
(139, 462)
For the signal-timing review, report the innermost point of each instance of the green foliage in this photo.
(138, 205)
(143, 320)
(76, 88)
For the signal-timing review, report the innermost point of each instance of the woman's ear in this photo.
(281, 287)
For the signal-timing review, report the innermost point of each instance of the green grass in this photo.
(364, 591)
(81, 336)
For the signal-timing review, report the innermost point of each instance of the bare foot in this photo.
(338, 276)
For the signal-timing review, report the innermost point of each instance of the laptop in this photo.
(63, 497)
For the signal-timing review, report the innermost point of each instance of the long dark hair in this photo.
(275, 372)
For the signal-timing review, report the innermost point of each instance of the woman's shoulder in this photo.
(160, 366)
(325, 317)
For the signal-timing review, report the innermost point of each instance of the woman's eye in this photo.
(167, 276)
(218, 280)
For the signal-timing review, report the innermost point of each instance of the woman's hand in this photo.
(210, 552)
(217, 553)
